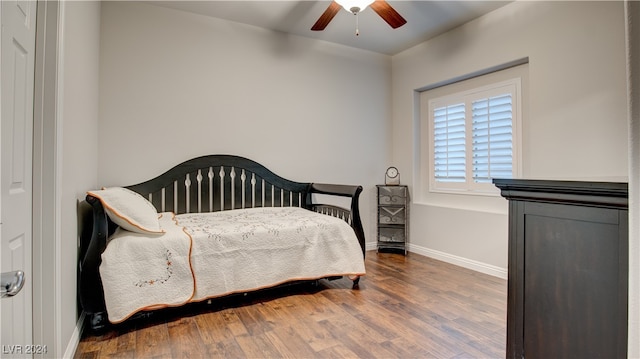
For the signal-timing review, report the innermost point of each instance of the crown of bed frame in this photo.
(221, 182)
(219, 188)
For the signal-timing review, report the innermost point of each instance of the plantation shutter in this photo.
(492, 137)
(470, 133)
(449, 143)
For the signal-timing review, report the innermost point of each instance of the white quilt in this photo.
(214, 254)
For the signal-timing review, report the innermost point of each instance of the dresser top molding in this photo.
(600, 194)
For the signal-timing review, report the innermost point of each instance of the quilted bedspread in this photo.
(208, 255)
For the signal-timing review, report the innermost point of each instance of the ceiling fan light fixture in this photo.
(354, 6)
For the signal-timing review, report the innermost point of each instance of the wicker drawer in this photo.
(391, 235)
(391, 215)
(392, 195)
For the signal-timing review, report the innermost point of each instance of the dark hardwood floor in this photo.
(406, 307)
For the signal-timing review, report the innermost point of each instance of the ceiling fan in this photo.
(381, 7)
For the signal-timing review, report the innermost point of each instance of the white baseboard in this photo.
(460, 261)
(75, 338)
(450, 258)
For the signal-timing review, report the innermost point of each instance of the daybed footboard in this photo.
(207, 184)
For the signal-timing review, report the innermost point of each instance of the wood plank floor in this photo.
(406, 307)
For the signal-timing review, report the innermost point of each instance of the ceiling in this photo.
(425, 19)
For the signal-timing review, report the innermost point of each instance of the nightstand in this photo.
(393, 218)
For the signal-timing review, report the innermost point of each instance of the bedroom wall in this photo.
(576, 126)
(632, 13)
(176, 85)
(77, 168)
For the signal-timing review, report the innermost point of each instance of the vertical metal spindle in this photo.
(175, 196)
(187, 197)
(243, 180)
(162, 200)
(199, 178)
(253, 190)
(233, 187)
(210, 175)
(222, 174)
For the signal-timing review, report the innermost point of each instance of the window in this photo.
(473, 137)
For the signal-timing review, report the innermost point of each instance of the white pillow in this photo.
(129, 210)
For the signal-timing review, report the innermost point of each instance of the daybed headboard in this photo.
(221, 182)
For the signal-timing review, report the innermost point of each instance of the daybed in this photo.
(210, 227)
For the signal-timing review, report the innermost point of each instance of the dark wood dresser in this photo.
(568, 269)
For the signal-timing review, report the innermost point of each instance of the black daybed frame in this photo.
(204, 184)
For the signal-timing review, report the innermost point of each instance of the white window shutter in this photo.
(449, 143)
(492, 138)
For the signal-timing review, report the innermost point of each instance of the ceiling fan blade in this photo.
(389, 14)
(326, 17)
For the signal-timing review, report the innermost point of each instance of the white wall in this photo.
(77, 165)
(632, 12)
(176, 85)
(577, 119)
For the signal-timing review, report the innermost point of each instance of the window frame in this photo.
(512, 85)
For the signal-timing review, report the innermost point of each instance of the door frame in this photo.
(46, 185)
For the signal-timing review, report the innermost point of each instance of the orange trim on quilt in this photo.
(354, 275)
(193, 275)
(190, 300)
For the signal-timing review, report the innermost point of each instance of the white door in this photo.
(16, 108)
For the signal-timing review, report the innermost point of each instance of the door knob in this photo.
(11, 283)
